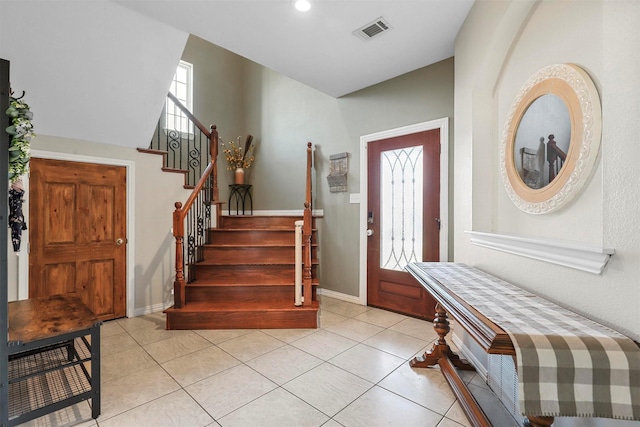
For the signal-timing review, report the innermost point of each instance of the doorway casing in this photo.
(443, 125)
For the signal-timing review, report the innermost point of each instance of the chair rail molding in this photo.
(579, 256)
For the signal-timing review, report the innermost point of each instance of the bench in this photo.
(547, 342)
(54, 358)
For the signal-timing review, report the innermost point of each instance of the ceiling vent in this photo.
(373, 29)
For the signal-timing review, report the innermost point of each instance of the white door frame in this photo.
(23, 263)
(443, 125)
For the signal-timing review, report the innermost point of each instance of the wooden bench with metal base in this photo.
(54, 358)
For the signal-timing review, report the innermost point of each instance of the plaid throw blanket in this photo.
(567, 365)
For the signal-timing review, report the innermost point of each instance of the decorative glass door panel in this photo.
(403, 205)
(401, 201)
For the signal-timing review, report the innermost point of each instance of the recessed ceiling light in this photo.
(302, 5)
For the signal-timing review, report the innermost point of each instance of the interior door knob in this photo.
(369, 232)
(119, 241)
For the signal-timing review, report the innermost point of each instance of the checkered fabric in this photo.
(567, 365)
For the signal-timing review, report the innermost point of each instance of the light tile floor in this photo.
(352, 371)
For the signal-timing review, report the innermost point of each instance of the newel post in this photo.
(179, 283)
(213, 151)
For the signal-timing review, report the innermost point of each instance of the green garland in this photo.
(21, 131)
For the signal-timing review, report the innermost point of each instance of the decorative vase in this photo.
(239, 176)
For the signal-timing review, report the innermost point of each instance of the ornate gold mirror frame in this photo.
(578, 93)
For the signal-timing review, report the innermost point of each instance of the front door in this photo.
(77, 233)
(403, 219)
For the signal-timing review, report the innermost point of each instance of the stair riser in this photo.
(254, 237)
(240, 294)
(284, 222)
(252, 255)
(258, 319)
(243, 274)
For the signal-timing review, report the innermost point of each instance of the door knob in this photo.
(119, 242)
(369, 232)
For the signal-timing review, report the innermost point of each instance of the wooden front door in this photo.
(403, 219)
(77, 233)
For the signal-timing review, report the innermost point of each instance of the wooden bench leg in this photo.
(441, 348)
(533, 421)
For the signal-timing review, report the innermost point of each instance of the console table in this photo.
(54, 357)
(557, 351)
(241, 193)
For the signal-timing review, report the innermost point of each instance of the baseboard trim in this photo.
(340, 296)
(150, 309)
(467, 354)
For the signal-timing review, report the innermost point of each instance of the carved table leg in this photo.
(534, 421)
(441, 348)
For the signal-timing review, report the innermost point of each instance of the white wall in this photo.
(499, 47)
(92, 70)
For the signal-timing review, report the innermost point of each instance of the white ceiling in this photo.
(317, 47)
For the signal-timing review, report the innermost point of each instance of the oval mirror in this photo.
(551, 138)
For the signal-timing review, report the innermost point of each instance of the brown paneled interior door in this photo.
(403, 219)
(77, 233)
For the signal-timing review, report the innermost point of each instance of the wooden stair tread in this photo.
(253, 245)
(152, 151)
(205, 284)
(241, 262)
(275, 229)
(232, 306)
(174, 170)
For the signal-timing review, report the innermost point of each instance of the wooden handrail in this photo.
(181, 211)
(189, 115)
(179, 215)
(307, 228)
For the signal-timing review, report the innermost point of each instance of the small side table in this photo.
(241, 193)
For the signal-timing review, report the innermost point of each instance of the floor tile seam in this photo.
(147, 402)
(378, 325)
(200, 379)
(347, 315)
(353, 338)
(372, 385)
(120, 377)
(410, 336)
(255, 357)
(177, 357)
(152, 342)
(336, 355)
(217, 420)
(361, 377)
(389, 353)
(220, 342)
(417, 403)
(413, 402)
(353, 401)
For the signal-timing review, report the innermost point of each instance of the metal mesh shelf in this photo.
(43, 378)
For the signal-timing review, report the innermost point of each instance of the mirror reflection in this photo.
(542, 141)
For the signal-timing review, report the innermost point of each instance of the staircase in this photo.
(232, 272)
(246, 278)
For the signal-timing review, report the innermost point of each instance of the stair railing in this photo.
(555, 158)
(307, 229)
(184, 138)
(193, 221)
